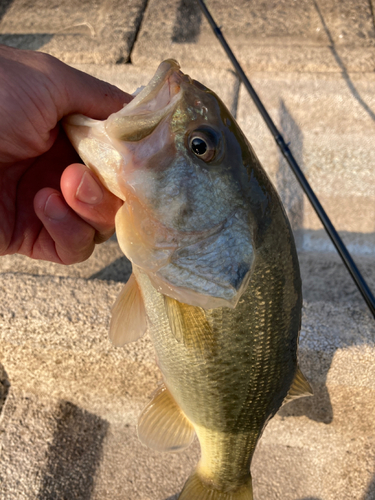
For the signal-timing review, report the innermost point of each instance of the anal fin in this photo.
(299, 388)
(128, 322)
(162, 425)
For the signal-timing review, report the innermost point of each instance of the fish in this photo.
(215, 275)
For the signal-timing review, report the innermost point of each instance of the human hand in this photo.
(51, 207)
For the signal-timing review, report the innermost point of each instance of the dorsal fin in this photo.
(128, 322)
(162, 425)
(299, 388)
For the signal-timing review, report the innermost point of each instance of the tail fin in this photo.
(196, 489)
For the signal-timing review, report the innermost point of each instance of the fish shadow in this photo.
(288, 187)
(325, 334)
(317, 407)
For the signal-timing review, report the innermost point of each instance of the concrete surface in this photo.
(285, 35)
(90, 31)
(66, 377)
(336, 154)
(330, 125)
(67, 427)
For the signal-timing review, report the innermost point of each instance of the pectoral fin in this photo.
(189, 324)
(128, 322)
(162, 425)
(299, 388)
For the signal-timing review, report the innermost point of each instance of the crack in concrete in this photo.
(341, 65)
(138, 22)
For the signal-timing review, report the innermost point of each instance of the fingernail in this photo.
(55, 208)
(89, 191)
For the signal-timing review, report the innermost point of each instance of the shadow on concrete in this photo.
(74, 455)
(4, 6)
(187, 26)
(26, 41)
(236, 95)
(290, 191)
(370, 493)
(119, 270)
(4, 386)
(327, 280)
(319, 406)
(316, 364)
(341, 65)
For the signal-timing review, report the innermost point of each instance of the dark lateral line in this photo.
(332, 233)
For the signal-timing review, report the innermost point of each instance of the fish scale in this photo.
(267, 361)
(215, 281)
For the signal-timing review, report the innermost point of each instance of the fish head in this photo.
(177, 158)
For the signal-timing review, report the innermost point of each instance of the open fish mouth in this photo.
(157, 94)
(142, 115)
(95, 139)
(150, 106)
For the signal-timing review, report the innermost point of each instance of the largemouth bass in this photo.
(215, 280)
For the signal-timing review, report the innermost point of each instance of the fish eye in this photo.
(203, 143)
(199, 146)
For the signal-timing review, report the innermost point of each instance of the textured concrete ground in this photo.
(67, 428)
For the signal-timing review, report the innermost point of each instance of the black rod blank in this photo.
(332, 233)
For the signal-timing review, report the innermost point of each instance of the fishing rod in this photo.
(332, 233)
